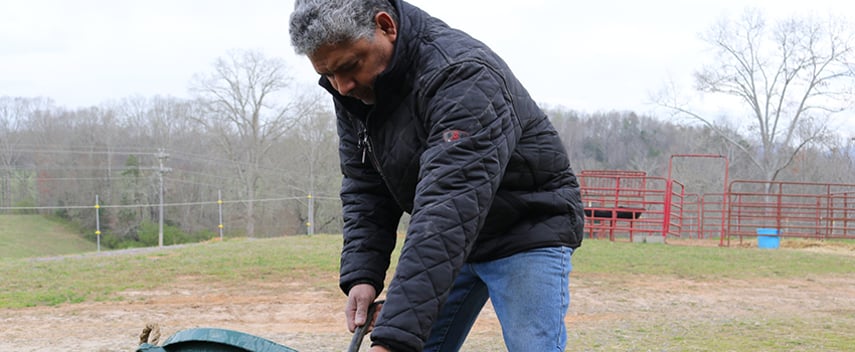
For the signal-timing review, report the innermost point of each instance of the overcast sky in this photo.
(585, 55)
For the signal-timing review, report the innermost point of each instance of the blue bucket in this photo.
(768, 238)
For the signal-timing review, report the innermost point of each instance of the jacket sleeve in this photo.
(370, 213)
(472, 131)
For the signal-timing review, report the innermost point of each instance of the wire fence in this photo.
(309, 201)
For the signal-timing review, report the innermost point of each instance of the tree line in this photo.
(260, 149)
(55, 160)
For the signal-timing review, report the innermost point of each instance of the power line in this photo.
(150, 205)
(171, 180)
(193, 158)
(74, 168)
(72, 150)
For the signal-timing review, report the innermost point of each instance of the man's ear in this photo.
(386, 24)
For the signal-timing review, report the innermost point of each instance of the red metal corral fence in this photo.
(794, 209)
(630, 205)
(623, 204)
(710, 214)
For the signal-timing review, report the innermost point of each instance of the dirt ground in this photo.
(312, 320)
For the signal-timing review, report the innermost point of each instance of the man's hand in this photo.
(356, 311)
(378, 349)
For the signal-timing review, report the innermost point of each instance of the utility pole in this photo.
(161, 157)
(220, 209)
(311, 223)
(98, 222)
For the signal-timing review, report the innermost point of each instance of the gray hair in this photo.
(315, 23)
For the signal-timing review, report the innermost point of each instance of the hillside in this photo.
(23, 236)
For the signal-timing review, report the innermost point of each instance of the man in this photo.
(432, 122)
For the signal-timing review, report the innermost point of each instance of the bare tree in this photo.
(313, 156)
(247, 105)
(12, 114)
(152, 125)
(790, 78)
(15, 114)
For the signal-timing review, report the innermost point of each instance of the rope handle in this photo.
(359, 333)
(151, 330)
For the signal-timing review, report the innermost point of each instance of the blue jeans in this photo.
(529, 291)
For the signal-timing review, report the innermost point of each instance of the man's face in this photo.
(352, 67)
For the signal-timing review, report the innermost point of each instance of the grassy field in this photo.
(621, 280)
(24, 236)
(739, 278)
(94, 277)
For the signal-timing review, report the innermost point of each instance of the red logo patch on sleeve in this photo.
(453, 135)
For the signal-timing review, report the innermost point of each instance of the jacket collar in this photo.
(392, 85)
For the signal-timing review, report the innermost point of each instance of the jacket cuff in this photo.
(392, 346)
(346, 287)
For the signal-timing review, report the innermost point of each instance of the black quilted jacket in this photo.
(456, 141)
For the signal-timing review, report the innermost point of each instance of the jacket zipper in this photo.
(364, 143)
(367, 151)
